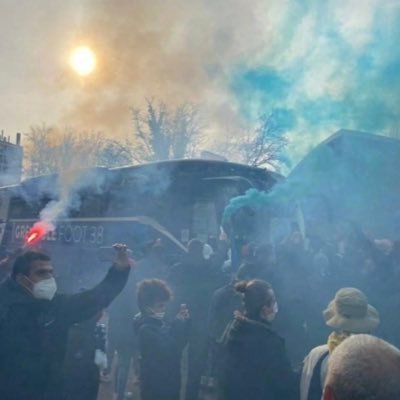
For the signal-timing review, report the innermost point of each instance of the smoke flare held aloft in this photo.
(67, 197)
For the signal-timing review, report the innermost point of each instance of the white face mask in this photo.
(272, 316)
(207, 251)
(159, 315)
(45, 289)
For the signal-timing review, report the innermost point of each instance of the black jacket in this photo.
(194, 283)
(81, 374)
(224, 302)
(33, 335)
(255, 365)
(160, 347)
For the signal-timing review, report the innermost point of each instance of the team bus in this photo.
(171, 200)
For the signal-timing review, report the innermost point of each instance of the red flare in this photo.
(31, 238)
(35, 234)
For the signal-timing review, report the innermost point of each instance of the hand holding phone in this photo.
(183, 313)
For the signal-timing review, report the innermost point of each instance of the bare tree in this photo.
(49, 150)
(115, 154)
(39, 153)
(185, 130)
(163, 133)
(265, 145)
(261, 146)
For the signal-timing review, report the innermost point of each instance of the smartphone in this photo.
(108, 254)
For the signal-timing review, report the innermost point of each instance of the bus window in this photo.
(90, 205)
(19, 209)
(204, 220)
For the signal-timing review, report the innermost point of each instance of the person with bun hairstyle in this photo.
(256, 365)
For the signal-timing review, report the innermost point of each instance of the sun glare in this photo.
(83, 60)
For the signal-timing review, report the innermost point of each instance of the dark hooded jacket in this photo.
(160, 347)
(255, 365)
(33, 335)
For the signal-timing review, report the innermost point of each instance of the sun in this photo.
(83, 60)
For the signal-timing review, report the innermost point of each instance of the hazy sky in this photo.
(35, 84)
(319, 65)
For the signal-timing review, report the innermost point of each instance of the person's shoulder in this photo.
(273, 336)
(319, 350)
(179, 264)
(315, 354)
(310, 363)
(8, 285)
(61, 298)
(5, 288)
(268, 337)
(145, 327)
(256, 329)
(11, 292)
(176, 270)
(149, 329)
(224, 291)
(261, 337)
(149, 324)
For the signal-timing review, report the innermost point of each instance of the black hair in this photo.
(256, 295)
(195, 248)
(151, 291)
(23, 263)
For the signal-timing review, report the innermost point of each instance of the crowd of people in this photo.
(293, 321)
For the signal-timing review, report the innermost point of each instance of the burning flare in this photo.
(36, 233)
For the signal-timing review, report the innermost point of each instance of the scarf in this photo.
(335, 339)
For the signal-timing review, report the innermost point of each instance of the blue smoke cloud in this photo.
(331, 65)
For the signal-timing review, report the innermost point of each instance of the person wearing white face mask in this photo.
(160, 343)
(34, 323)
(255, 363)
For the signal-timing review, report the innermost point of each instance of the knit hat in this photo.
(349, 311)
